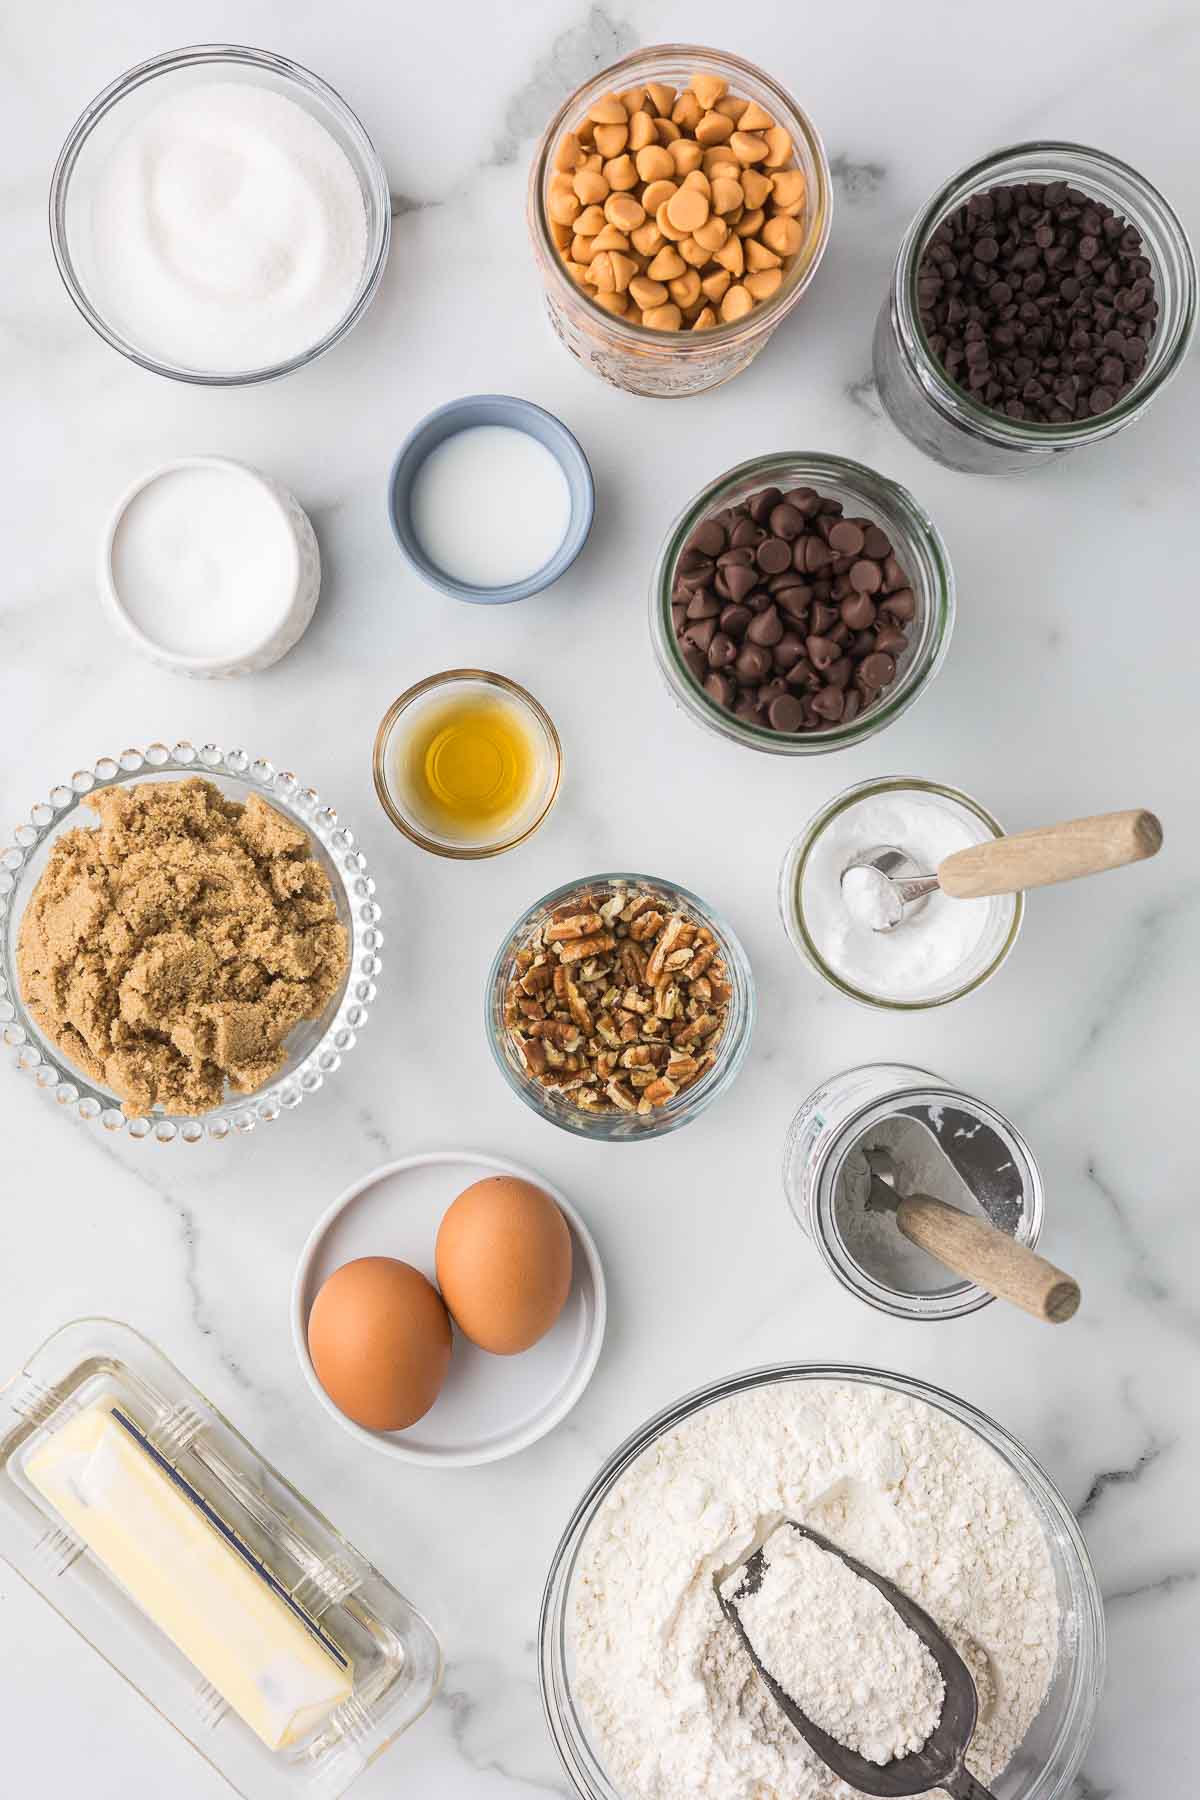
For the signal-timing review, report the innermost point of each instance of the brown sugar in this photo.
(170, 952)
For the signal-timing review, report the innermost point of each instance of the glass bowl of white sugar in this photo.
(647, 1692)
(943, 948)
(220, 216)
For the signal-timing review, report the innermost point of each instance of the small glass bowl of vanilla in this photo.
(467, 763)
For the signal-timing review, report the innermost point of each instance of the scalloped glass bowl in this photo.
(314, 1049)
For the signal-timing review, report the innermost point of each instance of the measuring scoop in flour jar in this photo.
(929, 1686)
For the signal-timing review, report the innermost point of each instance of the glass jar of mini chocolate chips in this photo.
(801, 603)
(1039, 302)
(601, 328)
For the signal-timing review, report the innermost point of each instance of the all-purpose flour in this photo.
(840, 1649)
(672, 1702)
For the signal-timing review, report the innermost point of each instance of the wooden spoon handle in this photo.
(1051, 853)
(991, 1258)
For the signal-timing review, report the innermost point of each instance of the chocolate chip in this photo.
(753, 662)
(708, 538)
(858, 612)
(785, 713)
(792, 614)
(767, 628)
(774, 555)
(877, 669)
(739, 581)
(866, 577)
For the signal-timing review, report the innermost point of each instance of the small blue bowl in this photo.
(520, 415)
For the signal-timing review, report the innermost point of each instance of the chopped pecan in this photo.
(702, 958)
(660, 1091)
(645, 925)
(621, 1096)
(575, 925)
(577, 948)
(667, 940)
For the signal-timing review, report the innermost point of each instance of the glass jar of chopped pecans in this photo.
(645, 358)
(619, 1006)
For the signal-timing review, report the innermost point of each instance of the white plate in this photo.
(491, 1406)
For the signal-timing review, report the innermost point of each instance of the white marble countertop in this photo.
(1066, 692)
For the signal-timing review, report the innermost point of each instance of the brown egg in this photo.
(504, 1263)
(379, 1338)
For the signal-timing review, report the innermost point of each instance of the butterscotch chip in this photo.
(712, 234)
(685, 154)
(779, 147)
(756, 187)
(623, 211)
(704, 320)
(621, 174)
(641, 131)
(647, 293)
(666, 265)
(662, 219)
(612, 139)
(654, 163)
(656, 194)
(782, 235)
(613, 303)
(647, 238)
(590, 187)
(708, 89)
(687, 111)
(608, 111)
(666, 132)
(663, 318)
(754, 118)
(685, 289)
(716, 284)
(750, 222)
(727, 195)
(737, 303)
(759, 257)
(787, 189)
(714, 128)
(693, 252)
(687, 209)
(169, 952)
(610, 238)
(731, 256)
(763, 284)
(589, 221)
(747, 147)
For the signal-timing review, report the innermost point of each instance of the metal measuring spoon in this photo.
(885, 882)
(939, 1763)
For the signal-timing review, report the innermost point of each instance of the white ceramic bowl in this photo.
(280, 635)
(491, 1406)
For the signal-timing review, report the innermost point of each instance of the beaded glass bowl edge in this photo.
(354, 892)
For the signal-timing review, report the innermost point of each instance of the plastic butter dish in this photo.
(138, 1512)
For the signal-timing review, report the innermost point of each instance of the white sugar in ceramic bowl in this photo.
(280, 566)
(491, 1406)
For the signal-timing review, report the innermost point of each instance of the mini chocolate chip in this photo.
(806, 500)
(774, 689)
(746, 532)
(893, 575)
(735, 619)
(838, 673)
(851, 704)
(767, 628)
(876, 543)
(721, 651)
(722, 688)
(802, 675)
(693, 561)
(794, 600)
(742, 555)
(696, 661)
(821, 617)
(822, 651)
(788, 650)
(811, 553)
(747, 707)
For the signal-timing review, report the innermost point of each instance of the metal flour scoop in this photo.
(939, 1763)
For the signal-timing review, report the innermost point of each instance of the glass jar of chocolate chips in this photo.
(1040, 301)
(800, 604)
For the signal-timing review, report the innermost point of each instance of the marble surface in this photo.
(1069, 689)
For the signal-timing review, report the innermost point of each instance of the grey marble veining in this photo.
(1070, 688)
